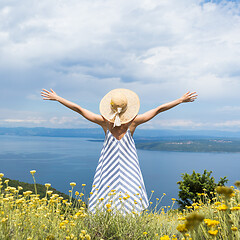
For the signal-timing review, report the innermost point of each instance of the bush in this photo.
(192, 185)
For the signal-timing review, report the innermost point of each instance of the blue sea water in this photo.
(60, 161)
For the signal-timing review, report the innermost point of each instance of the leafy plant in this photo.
(193, 185)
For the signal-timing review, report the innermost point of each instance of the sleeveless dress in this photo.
(118, 182)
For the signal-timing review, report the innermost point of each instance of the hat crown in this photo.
(118, 100)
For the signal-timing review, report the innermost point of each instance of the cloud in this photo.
(85, 48)
(229, 124)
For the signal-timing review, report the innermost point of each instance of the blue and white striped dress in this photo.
(118, 179)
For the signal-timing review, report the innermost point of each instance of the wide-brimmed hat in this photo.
(119, 106)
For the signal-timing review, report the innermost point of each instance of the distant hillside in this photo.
(199, 145)
(97, 133)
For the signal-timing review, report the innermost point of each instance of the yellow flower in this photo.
(83, 231)
(164, 194)
(174, 237)
(173, 199)
(32, 172)
(1, 175)
(234, 228)
(73, 184)
(235, 208)
(182, 228)
(76, 193)
(211, 223)
(87, 236)
(144, 233)
(165, 237)
(213, 232)
(108, 205)
(83, 184)
(222, 207)
(47, 185)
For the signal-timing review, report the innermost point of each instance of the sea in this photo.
(61, 160)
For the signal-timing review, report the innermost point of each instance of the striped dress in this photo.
(118, 182)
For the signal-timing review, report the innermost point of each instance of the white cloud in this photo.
(31, 120)
(233, 123)
(85, 48)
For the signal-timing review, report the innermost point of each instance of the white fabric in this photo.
(117, 121)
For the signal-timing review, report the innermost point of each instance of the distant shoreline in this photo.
(151, 140)
(204, 145)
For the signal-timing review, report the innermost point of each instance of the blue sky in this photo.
(84, 48)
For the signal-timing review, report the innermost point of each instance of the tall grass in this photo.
(28, 217)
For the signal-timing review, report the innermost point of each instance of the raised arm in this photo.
(51, 95)
(142, 118)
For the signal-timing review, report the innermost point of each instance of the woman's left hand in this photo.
(189, 97)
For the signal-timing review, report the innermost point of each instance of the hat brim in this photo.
(131, 112)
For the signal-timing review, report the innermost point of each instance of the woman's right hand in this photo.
(47, 95)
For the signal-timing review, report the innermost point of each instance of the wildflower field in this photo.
(27, 216)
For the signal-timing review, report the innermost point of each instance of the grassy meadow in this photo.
(28, 216)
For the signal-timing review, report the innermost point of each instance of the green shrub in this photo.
(196, 183)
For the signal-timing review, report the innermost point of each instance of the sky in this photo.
(84, 48)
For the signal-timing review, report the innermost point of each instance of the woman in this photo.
(118, 182)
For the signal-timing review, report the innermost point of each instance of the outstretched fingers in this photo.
(45, 90)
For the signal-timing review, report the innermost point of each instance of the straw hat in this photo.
(119, 106)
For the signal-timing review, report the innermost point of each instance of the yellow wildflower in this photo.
(108, 205)
(72, 184)
(1, 175)
(47, 185)
(211, 223)
(87, 236)
(235, 208)
(165, 237)
(222, 207)
(234, 228)
(83, 184)
(144, 233)
(182, 228)
(213, 232)
(174, 237)
(32, 172)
